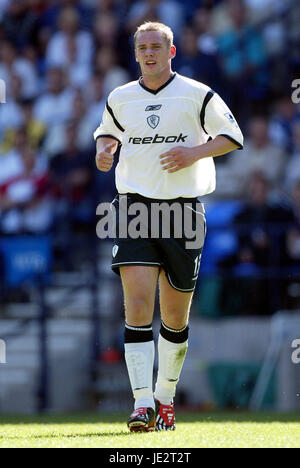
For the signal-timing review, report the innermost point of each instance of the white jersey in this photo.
(147, 123)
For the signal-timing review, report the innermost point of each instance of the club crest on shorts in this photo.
(115, 250)
(153, 120)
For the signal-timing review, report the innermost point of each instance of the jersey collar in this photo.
(155, 91)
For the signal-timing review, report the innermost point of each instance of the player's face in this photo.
(153, 53)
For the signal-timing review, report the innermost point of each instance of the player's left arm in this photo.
(181, 156)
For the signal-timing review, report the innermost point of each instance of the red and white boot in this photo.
(142, 420)
(165, 417)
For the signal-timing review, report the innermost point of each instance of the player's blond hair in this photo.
(154, 26)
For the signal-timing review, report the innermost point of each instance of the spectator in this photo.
(221, 20)
(95, 96)
(198, 65)
(34, 129)
(13, 64)
(20, 24)
(259, 155)
(263, 232)
(10, 112)
(207, 43)
(168, 12)
(293, 36)
(105, 30)
(260, 10)
(80, 115)
(25, 204)
(91, 119)
(117, 8)
(50, 16)
(259, 214)
(56, 140)
(284, 118)
(106, 65)
(71, 48)
(72, 177)
(55, 106)
(11, 162)
(243, 61)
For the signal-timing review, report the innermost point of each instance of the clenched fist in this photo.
(105, 159)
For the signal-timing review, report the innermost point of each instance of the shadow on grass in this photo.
(121, 418)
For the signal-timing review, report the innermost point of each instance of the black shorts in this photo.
(176, 251)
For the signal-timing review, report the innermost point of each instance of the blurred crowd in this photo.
(60, 59)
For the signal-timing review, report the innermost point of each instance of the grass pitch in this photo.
(221, 430)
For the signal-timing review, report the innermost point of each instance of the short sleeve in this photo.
(110, 126)
(217, 119)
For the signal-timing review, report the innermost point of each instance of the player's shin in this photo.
(139, 356)
(172, 348)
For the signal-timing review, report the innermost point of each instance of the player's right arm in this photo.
(106, 147)
(108, 135)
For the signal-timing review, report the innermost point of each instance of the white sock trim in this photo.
(137, 328)
(172, 329)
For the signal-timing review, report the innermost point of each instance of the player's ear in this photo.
(173, 51)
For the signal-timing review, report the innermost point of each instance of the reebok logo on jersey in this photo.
(153, 108)
(158, 139)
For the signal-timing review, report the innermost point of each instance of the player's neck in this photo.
(155, 82)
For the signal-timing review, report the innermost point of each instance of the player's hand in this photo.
(104, 159)
(177, 158)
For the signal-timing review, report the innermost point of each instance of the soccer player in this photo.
(170, 128)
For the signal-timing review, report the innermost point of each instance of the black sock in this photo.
(174, 336)
(138, 334)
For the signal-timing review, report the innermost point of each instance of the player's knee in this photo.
(175, 318)
(138, 310)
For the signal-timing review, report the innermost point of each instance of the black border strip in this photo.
(109, 136)
(206, 100)
(113, 117)
(233, 140)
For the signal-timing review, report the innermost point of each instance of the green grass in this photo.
(110, 431)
